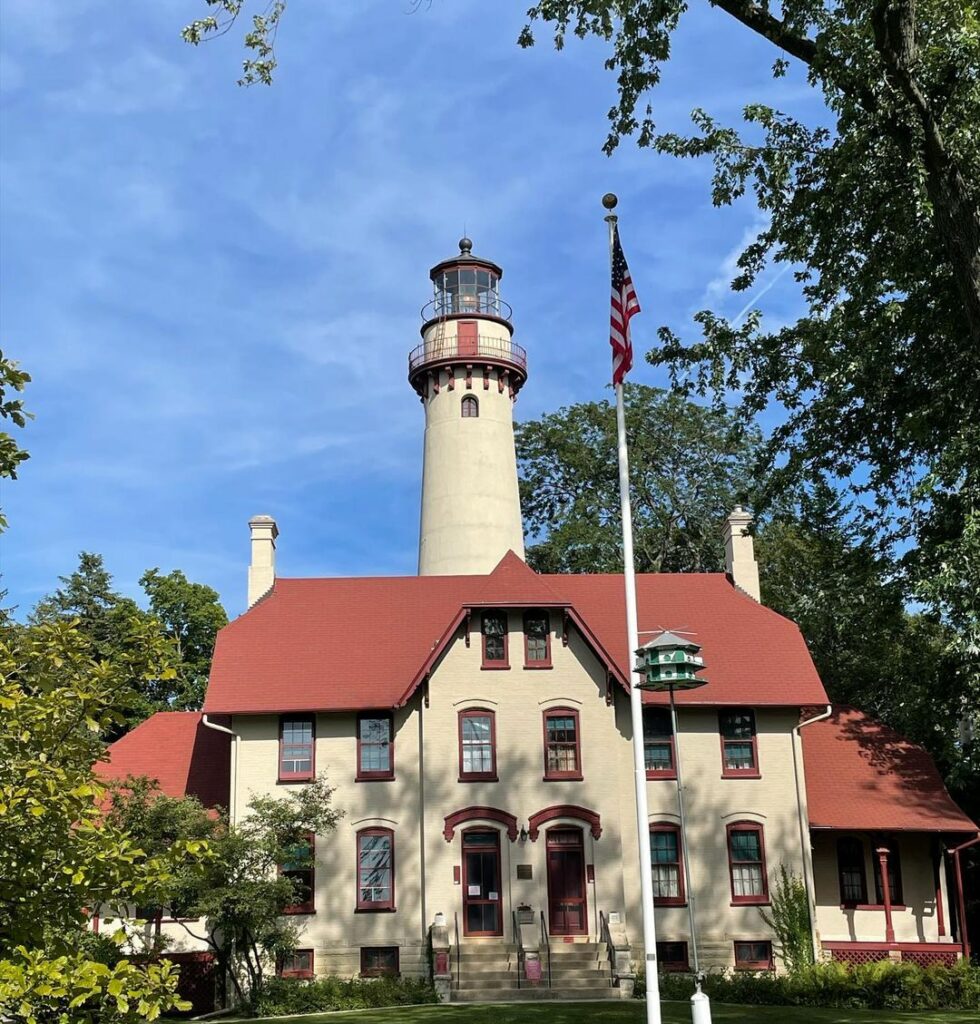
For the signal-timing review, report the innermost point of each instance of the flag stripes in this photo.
(624, 306)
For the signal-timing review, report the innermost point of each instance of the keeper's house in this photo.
(475, 722)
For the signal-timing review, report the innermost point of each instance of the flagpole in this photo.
(636, 706)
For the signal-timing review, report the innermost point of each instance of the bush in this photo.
(875, 986)
(291, 995)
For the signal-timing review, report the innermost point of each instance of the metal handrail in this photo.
(519, 942)
(486, 303)
(547, 944)
(604, 936)
(439, 350)
(456, 927)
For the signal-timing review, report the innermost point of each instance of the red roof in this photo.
(175, 748)
(348, 644)
(862, 775)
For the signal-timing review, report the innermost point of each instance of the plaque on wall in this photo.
(524, 871)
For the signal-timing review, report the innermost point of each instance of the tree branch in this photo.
(765, 24)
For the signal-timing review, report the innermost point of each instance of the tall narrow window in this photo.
(494, 629)
(747, 863)
(665, 858)
(376, 869)
(562, 745)
(895, 895)
(850, 871)
(658, 744)
(299, 868)
(298, 964)
(537, 640)
(739, 756)
(753, 956)
(470, 407)
(297, 741)
(477, 746)
(375, 747)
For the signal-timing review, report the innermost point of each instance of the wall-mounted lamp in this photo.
(523, 834)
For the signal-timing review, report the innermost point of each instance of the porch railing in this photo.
(519, 943)
(546, 942)
(456, 939)
(605, 937)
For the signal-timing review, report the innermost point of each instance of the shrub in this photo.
(790, 921)
(291, 995)
(876, 986)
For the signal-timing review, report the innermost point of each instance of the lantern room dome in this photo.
(466, 285)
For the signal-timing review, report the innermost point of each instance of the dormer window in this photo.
(537, 640)
(494, 629)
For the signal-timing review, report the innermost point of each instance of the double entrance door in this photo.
(482, 898)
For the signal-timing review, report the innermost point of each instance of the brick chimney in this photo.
(740, 563)
(262, 568)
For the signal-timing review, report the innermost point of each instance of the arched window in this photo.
(470, 407)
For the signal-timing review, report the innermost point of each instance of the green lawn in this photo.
(617, 1013)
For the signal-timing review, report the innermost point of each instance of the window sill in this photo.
(872, 906)
(674, 968)
(660, 901)
(288, 780)
(751, 901)
(491, 667)
(477, 778)
(535, 665)
(571, 777)
(657, 776)
(374, 910)
(741, 775)
(753, 967)
(386, 777)
(301, 975)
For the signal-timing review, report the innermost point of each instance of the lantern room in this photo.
(466, 285)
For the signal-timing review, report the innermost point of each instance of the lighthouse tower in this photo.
(467, 372)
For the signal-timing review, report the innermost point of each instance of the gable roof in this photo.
(175, 748)
(356, 644)
(862, 775)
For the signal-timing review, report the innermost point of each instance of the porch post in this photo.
(886, 896)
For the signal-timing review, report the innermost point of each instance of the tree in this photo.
(689, 466)
(242, 894)
(879, 216)
(11, 408)
(58, 855)
(191, 614)
(188, 614)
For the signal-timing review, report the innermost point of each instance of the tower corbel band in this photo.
(467, 373)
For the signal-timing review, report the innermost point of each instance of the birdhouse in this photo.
(669, 661)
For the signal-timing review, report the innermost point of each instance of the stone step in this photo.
(539, 994)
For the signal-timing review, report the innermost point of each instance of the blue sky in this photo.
(215, 288)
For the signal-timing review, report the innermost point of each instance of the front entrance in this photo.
(481, 883)
(567, 905)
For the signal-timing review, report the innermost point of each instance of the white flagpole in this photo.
(636, 706)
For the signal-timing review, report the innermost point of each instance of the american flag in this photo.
(624, 306)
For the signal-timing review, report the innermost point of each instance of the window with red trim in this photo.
(299, 868)
(297, 747)
(894, 874)
(739, 752)
(753, 955)
(672, 956)
(375, 746)
(376, 869)
(298, 964)
(477, 745)
(850, 871)
(494, 629)
(537, 640)
(379, 962)
(747, 863)
(666, 865)
(658, 744)
(562, 745)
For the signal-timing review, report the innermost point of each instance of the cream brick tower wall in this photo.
(468, 363)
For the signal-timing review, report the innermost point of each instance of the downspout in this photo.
(232, 801)
(808, 882)
(961, 903)
(425, 921)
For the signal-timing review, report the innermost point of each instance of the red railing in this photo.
(453, 349)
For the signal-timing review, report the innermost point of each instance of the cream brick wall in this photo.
(918, 922)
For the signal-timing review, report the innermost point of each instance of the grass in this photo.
(616, 1013)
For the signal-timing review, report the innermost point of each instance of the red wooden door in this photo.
(466, 338)
(481, 883)
(567, 905)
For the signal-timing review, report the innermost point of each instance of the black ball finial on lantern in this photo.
(465, 246)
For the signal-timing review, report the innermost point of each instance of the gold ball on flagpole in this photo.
(609, 200)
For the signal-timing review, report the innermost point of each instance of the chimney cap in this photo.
(257, 521)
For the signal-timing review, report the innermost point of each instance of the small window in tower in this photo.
(471, 407)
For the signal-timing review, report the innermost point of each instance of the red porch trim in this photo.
(452, 821)
(591, 818)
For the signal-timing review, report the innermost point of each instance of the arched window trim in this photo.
(591, 818)
(479, 813)
(469, 402)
